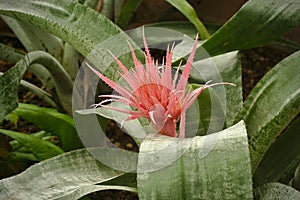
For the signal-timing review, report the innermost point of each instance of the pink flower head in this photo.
(154, 93)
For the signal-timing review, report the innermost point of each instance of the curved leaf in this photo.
(281, 159)
(223, 68)
(40, 148)
(9, 85)
(276, 191)
(10, 81)
(94, 188)
(37, 91)
(210, 114)
(183, 27)
(12, 55)
(34, 39)
(216, 166)
(70, 175)
(296, 179)
(271, 106)
(52, 121)
(132, 127)
(256, 23)
(188, 11)
(69, 20)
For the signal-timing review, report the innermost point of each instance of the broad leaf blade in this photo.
(216, 166)
(52, 121)
(223, 68)
(34, 39)
(209, 112)
(256, 23)
(276, 191)
(281, 159)
(72, 174)
(271, 106)
(40, 148)
(69, 20)
(9, 83)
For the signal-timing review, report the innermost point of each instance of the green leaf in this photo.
(210, 114)
(10, 81)
(271, 106)
(23, 157)
(37, 91)
(256, 23)
(17, 146)
(90, 3)
(84, 118)
(68, 176)
(40, 148)
(281, 159)
(118, 7)
(222, 68)
(43, 95)
(94, 188)
(107, 8)
(183, 27)
(216, 166)
(34, 39)
(9, 84)
(296, 179)
(12, 55)
(276, 191)
(188, 11)
(127, 12)
(70, 60)
(52, 121)
(13, 119)
(70, 21)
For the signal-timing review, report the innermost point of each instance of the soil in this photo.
(256, 62)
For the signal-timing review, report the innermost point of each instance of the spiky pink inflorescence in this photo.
(154, 93)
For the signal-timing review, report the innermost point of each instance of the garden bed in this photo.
(255, 63)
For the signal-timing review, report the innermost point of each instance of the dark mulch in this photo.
(257, 62)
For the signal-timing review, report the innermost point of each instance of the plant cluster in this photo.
(241, 150)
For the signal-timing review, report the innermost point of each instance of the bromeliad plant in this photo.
(169, 167)
(154, 93)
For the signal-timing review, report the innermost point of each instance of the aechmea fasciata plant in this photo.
(154, 93)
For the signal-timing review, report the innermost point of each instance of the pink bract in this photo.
(153, 92)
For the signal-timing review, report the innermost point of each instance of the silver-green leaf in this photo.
(216, 166)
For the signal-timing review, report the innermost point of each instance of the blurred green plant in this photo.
(226, 171)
